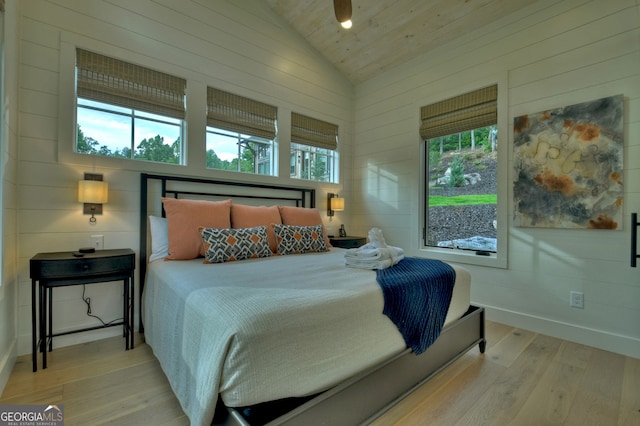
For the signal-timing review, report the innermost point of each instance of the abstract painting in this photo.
(568, 166)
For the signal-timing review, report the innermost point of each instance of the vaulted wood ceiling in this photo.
(386, 33)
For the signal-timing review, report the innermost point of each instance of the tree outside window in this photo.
(117, 132)
(236, 152)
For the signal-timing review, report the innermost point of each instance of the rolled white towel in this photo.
(376, 254)
(365, 252)
(376, 239)
(394, 253)
(372, 264)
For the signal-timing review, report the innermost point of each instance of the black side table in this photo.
(347, 242)
(62, 269)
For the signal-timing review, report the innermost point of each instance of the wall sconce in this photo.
(334, 204)
(93, 192)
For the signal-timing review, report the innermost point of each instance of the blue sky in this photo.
(114, 130)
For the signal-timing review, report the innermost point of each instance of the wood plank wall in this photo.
(9, 203)
(552, 53)
(241, 47)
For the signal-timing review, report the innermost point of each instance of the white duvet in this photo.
(263, 329)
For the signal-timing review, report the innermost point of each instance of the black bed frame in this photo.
(358, 400)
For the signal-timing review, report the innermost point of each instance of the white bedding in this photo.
(263, 329)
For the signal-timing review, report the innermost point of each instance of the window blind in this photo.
(239, 114)
(310, 131)
(461, 113)
(104, 79)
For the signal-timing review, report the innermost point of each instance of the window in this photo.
(112, 131)
(313, 149)
(239, 153)
(241, 133)
(461, 169)
(309, 162)
(128, 111)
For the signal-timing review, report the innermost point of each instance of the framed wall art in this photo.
(568, 166)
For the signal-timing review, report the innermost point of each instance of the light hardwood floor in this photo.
(524, 378)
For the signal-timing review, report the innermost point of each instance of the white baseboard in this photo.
(24, 343)
(6, 365)
(624, 345)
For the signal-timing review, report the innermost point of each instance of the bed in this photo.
(297, 339)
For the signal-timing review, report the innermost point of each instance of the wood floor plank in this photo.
(507, 395)
(60, 370)
(161, 412)
(574, 354)
(598, 398)
(523, 378)
(120, 410)
(84, 394)
(47, 395)
(445, 405)
(630, 398)
(398, 413)
(551, 400)
(495, 332)
(509, 348)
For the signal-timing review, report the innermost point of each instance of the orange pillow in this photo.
(243, 216)
(301, 216)
(183, 219)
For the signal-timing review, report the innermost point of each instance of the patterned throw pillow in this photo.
(224, 245)
(299, 239)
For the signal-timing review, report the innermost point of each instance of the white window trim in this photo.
(499, 259)
(67, 116)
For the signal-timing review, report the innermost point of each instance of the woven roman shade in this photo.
(115, 82)
(239, 114)
(310, 131)
(469, 111)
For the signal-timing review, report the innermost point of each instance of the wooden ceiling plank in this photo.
(387, 33)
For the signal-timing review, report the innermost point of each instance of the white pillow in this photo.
(159, 238)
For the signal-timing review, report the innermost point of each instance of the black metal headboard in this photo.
(153, 187)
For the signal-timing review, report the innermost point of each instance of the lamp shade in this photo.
(93, 192)
(337, 204)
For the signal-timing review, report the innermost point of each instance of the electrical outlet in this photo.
(97, 242)
(576, 299)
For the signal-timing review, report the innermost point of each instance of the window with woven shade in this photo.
(460, 206)
(465, 112)
(314, 146)
(241, 133)
(126, 110)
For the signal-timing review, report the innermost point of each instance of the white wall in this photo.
(8, 157)
(241, 47)
(553, 53)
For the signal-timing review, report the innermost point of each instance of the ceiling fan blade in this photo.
(342, 9)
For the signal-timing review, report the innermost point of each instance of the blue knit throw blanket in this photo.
(417, 294)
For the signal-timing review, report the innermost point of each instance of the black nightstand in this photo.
(62, 269)
(347, 242)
